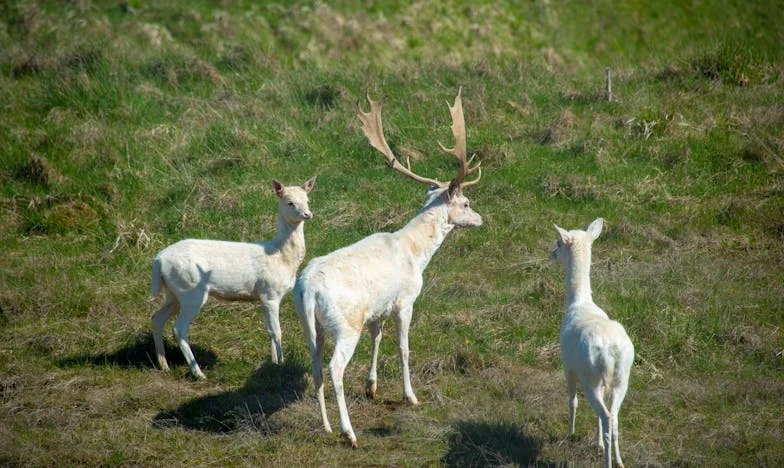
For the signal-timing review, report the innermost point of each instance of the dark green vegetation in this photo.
(125, 126)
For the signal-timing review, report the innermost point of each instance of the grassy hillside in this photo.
(126, 126)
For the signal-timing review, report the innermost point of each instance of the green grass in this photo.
(127, 126)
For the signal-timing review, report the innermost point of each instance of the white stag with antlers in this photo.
(381, 275)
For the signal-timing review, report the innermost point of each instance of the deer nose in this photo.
(307, 215)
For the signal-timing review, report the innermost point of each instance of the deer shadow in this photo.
(491, 444)
(140, 353)
(269, 389)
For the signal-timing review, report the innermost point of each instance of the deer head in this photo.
(293, 201)
(571, 241)
(451, 193)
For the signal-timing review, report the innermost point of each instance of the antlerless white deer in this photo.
(192, 270)
(381, 275)
(595, 351)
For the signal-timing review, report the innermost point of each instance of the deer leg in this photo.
(344, 349)
(594, 394)
(403, 321)
(375, 335)
(318, 376)
(314, 335)
(159, 318)
(571, 384)
(617, 394)
(272, 323)
(599, 435)
(188, 311)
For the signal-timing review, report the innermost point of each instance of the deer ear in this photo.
(595, 228)
(278, 187)
(453, 190)
(565, 237)
(308, 186)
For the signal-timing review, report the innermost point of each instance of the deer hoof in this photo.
(352, 442)
(370, 389)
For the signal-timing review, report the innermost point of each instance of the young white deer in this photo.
(191, 270)
(381, 275)
(595, 350)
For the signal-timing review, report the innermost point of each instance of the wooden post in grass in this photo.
(608, 83)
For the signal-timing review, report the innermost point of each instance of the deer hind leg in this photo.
(189, 308)
(314, 335)
(159, 319)
(375, 335)
(344, 348)
(318, 376)
(600, 435)
(571, 385)
(617, 394)
(595, 396)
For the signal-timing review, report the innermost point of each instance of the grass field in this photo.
(126, 126)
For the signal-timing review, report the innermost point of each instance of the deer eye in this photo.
(465, 205)
(291, 203)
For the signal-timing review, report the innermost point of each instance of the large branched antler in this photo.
(374, 131)
(459, 151)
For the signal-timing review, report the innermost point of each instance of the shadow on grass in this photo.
(140, 353)
(491, 444)
(271, 388)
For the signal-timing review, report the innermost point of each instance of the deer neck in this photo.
(578, 277)
(423, 235)
(290, 240)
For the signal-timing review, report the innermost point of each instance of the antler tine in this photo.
(472, 182)
(459, 151)
(374, 131)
